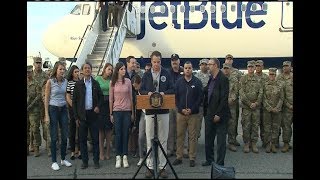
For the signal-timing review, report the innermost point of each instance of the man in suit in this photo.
(216, 112)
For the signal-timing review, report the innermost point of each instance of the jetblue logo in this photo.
(215, 24)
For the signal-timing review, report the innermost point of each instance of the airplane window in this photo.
(254, 7)
(162, 9)
(213, 8)
(182, 9)
(223, 8)
(143, 8)
(192, 8)
(202, 8)
(264, 6)
(86, 9)
(243, 7)
(76, 10)
(172, 9)
(233, 7)
(152, 9)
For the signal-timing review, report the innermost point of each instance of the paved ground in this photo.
(250, 165)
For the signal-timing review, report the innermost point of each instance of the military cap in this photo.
(272, 70)
(174, 57)
(29, 68)
(37, 59)
(225, 65)
(62, 59)
(259, 62)
(229, 56)
(205, 61)
(286, 63)
(251, 63)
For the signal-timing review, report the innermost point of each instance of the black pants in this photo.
(104, 18)
(73, 131)
(211, 131)
(89, 123)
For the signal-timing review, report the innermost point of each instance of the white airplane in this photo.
(194, 30)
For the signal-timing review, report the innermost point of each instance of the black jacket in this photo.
(78, 100)
(165, 86)
(218, 104)
(188, 94)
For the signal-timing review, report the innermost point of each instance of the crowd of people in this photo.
(102, 110)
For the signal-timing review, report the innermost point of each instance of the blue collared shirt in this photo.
(88, 96)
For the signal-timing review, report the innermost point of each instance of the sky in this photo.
(39, 16)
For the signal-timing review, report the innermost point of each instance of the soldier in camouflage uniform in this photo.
(233, 95)
(29, 79)
(262, 78)
(34, 108)
(203, 75)
(40, 77)
(272, 103)
(251, 97)
(286, 78)
(234, 73)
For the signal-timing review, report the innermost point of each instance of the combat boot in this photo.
(273, 148)
(268, 148)
(246, 148)
(254, 148)
(232, 148)
(236, 143)
(36, 151)
(285, 148)
(31, 149)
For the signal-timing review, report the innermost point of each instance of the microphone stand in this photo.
(154, 148)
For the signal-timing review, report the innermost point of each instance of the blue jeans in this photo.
(58, 115)
(122, 121)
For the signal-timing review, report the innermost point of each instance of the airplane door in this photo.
(287, 16)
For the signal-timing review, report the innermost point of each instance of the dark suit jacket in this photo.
(165, 86)
(78, 101)
(218, 104)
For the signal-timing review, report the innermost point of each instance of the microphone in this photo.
(155, 84)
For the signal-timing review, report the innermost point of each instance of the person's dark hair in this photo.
(136, 79)
(70, 73)
(128, 58)
(216, 61)
(104, 69)
(156, 53)
(85, 64)
(148, 64)
(188, 62)
(55, 69)
(115, 73)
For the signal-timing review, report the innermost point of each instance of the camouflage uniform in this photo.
(272, 104)
(262, 78)
(250, 92)
(233, 96)
(29, 69)
(41, 78)
(204, 78)
(34, 103)
(286, 121)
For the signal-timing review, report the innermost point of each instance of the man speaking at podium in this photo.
(157, 80)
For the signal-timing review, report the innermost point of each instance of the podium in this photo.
(143, 102)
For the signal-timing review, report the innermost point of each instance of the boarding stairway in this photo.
(101, 47)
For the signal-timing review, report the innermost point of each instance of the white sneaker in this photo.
(66, 163)
(140, 162)
(55, 166)
(125, 161)
(118, 161)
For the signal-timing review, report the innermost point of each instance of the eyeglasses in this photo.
(211, 64)
(38, 62)
(272, 74)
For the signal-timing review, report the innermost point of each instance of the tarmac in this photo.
(247, 165)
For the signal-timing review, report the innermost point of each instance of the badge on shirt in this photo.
(163, 79)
